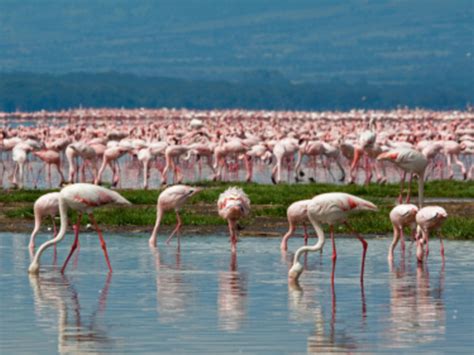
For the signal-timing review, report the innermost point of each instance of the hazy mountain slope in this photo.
(383, 41)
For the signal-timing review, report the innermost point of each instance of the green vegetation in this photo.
(282, 194)
(269, 204)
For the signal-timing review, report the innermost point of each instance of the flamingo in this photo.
(401, 216)
(232, 205)
(296, 213)
(410, 161)
(331, 208)
(172, 198)
(46, 205)
(83, 198)
(429, 218)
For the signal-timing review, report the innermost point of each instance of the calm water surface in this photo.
(200, 299)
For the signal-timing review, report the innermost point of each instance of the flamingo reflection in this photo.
(173, 293)
(325, 338)
(74, 335)
(417, 311)
(232, 298)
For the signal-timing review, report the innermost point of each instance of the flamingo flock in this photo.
(109, 146)
(143, 148)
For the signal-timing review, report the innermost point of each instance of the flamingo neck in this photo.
(34, 266)
(297, 268)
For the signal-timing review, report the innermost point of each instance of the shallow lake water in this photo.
(198, 298)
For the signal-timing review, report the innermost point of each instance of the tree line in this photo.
(33, 92)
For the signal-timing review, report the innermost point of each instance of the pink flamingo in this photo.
(401, 216)
(111, 156)
(172, 198)
(429, 218)
(452, 150)
(296, 213)
(51, 157)
(46, 205)
(83, 198)
(331, 208)
(410, 161)
(232, 205)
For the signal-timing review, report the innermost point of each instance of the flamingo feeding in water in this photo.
(83, 198)
(296, 213)
(172, 198)
(232, 205)
(401, 216)
(429, 218)
(331, 208)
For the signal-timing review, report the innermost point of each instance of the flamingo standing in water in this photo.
(410, 161)
(331, 208)
(172, 198)
(46, 205)
(401, 216)
(232, 205)
(429, 218)
(296, 213)
(83, 198)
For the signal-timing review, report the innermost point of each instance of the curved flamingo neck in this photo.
(319, 232)
(34, 266)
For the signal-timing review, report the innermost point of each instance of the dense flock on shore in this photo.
(171, 145)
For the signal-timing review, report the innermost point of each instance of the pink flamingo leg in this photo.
(364, 251)
(74, 244)
(306, 236)
(178, 226)
(233, 236)
(284, 241)
(101, 238)
(334, 252)
(55, 232)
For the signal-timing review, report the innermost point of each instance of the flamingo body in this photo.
(83, 198)
(232, 205)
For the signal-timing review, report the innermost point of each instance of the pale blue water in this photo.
(200, 300)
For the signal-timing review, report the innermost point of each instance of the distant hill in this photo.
(380, 42)
(257, 90)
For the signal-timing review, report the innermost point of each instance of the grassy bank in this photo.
(269, 203)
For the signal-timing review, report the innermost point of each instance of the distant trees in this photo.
(32, 92)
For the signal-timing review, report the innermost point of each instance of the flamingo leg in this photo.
(74, 244)
(102, 241)
(284, 241)
(306, 236)
(233, 236)
(178, 226)
(334, 252)
(364, 251)
(55, 232)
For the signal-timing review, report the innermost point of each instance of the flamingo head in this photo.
(295, 271)
(34, 268)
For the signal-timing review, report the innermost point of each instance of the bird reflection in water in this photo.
(74, 335)
(417, 311)
(304, 306)
(174, 295)
(232, 298)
